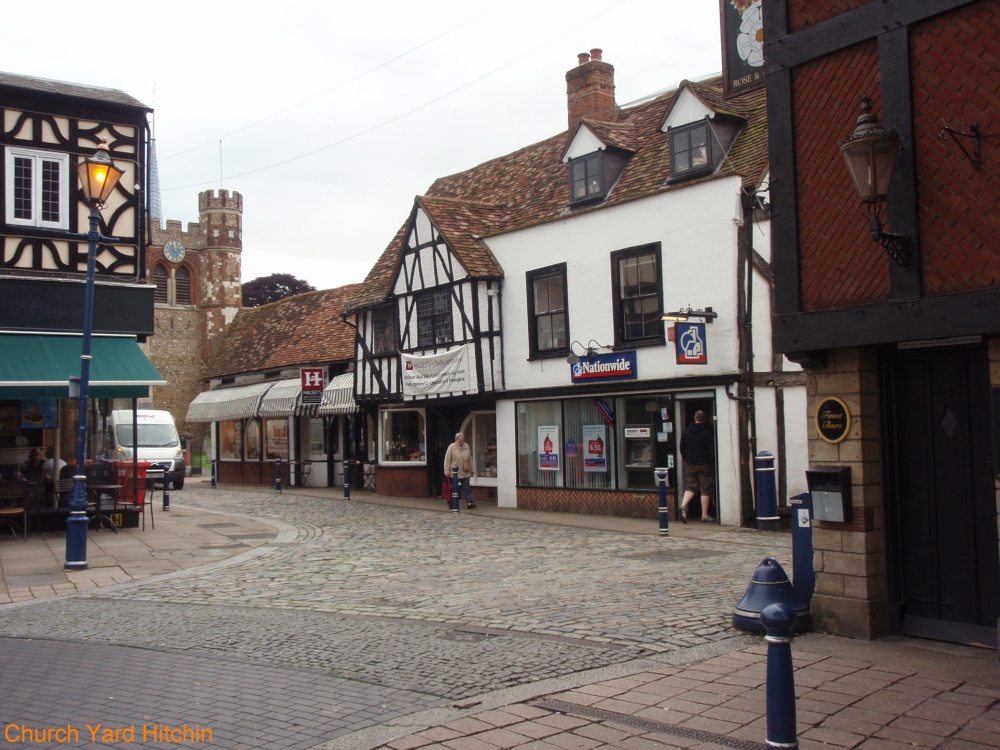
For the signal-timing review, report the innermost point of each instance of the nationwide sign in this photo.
(614, 366)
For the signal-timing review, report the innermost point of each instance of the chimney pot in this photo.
(595, 54)
(583, 57)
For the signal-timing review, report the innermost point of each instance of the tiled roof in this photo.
(531, 185)
(44, 85)
(305, 329)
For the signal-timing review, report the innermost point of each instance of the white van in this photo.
(158, 441)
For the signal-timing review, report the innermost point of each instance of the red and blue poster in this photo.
(548, 448)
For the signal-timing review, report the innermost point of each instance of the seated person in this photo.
(33, 470)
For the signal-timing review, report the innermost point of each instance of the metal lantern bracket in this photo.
(949, 133)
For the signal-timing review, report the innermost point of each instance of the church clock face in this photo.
(173, 251)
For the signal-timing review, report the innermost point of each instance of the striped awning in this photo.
(284, 400)
(338, 396)
(234, 402)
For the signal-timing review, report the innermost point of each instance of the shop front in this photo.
(598, 454)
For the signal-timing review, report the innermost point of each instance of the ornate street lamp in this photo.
(870, 152)
(98, 178)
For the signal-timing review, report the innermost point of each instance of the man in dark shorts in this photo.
(698, 453)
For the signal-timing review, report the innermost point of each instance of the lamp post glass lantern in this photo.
(98, 178)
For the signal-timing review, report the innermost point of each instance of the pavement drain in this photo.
(649, 725)
(458, 635)
(219, 525)
(678, 555)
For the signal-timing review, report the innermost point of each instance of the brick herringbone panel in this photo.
(956, 81)
(802, 15)
(403, 482)
(624, 504)
(840, 264)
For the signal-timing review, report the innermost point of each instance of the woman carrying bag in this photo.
(460, 454)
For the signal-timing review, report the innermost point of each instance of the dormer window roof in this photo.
(595, 162)
(698, 135)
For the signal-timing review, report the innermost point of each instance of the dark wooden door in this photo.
(944, 513)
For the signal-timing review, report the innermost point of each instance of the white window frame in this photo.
(37, 159)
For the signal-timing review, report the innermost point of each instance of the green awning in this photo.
(39, 365)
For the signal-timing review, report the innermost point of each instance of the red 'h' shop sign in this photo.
(313, 383)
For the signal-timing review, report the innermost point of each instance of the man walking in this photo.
(698, 453)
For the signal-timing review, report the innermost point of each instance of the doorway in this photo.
(942, 513)
(686, 407)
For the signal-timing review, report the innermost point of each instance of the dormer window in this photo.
(586, 176)
(690, 150)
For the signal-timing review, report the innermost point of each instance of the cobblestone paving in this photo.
(384, 610)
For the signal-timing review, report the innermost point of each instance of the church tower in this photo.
(221, 221)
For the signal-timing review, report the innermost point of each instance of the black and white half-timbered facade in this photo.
(523, 301)
(429, 347)
(46, 129)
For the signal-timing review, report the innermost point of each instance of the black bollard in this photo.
(779, 619)
(661, 480)
(454, 489)
(214, 475)
(277, 475)
(347, 479)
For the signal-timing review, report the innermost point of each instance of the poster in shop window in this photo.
(548, 448)
(595, 448)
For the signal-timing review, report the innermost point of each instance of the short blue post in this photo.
(347, 479)
(455, 488)
(166, 492)
(277, 475)
(661, 480)
(779, 619)
(767, 493)
(215, 476)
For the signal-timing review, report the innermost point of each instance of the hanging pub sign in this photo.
(313, 383)
(742, 45)
(690, 344)
(833, 420)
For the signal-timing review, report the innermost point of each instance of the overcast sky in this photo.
(329, 117)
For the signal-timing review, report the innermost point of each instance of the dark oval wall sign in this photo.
(833, 420)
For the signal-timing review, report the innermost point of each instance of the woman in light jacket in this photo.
(459, 454)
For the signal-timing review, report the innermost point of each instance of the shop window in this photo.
(317, 436)
(276, 438)
(251, 440)
(539, 443)
(589, 448)
(480, 431)
(547, 311)
(404, 436)
(230, 439)
(638, 291)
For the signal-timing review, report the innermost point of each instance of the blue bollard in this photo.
(454, 489)
(661, 480)
(347, 479)
(277, 475)
(166, 493)
(779, 619)
(767, 493)
(214, 475)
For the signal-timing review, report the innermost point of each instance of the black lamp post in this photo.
(98, 178)
(870, 152)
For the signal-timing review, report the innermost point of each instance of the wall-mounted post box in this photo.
(830, 489)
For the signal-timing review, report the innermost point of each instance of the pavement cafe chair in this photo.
(144, 498)
(14, 501)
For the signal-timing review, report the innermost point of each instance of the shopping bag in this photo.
(446, 488)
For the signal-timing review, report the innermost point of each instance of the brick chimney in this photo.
(590, 89)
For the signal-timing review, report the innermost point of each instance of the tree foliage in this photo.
(271, 288)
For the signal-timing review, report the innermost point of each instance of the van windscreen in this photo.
(150, 436)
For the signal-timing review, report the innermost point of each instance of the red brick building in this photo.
(909, 344)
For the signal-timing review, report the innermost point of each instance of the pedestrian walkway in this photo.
(213, 575)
